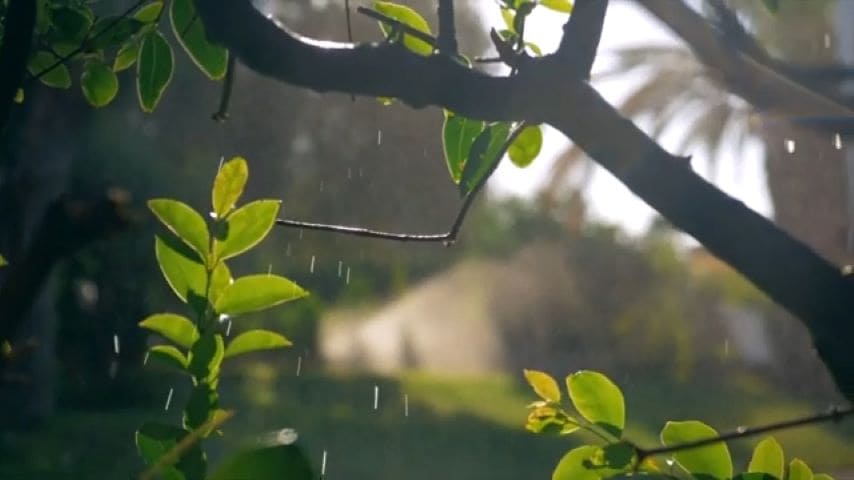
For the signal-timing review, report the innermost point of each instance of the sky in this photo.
(740, 173)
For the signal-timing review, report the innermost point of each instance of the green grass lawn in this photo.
(456, 427)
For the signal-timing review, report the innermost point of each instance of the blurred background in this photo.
(407, 358)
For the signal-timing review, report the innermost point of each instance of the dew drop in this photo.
(168, 399)
(837, 141)
(740, 429)
(311, 267)
(669, 462)
(790, 145)
(115, 344)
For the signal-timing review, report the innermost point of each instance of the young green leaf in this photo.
(266, 463)
(598, 400)
(228, 186)
(245, 227)
(57, 77)
(255, 340)
(184, 222)
(126, 56)
(712, 461)
(182, 268)
(458, 136)
(543, 384)
(409, 17)
(176, 328)
(509, 18)
(526, 146)
(563, 6)
(767, 458)
(220, 278)
(99, 84)
(211, 59)
(574, 465)
(150, 12)
(799, 470)
(168, 355)
(111, 31)
(154, 69)
(484, 154)
(206, 357)
(257, 292)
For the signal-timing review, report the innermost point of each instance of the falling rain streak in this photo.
(340, 266)
(299, 365)
(379, 137)
(168, 399)
(311, 267)
(837, 141)
(790, 146)
(288, 250)
(376, 397)
(116, 344)
(323, 465)
(321, 186)
(145, 359)
(228, 329)
(405, 405)
(347, 280)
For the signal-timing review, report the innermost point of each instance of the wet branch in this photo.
(447, 29)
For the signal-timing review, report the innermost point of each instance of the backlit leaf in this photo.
(182, 269)
(526, 146)
(228, 185)
(211, 59)
(768, 458)
(598, 400)
(484, 155)
(458, 135)
(573, 465)
(409, 17)
(712, 461)
(176, 328)
(257, 292)
(799, 470)
(255, 340)
(149, 12)
(544, 385)
(245, 227)
(126, 56)
(563, 6)
(184, 222)
(167, 355)
(99, 84)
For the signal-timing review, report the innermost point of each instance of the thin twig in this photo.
(424, 37)
(349, 33)
(61, 60)
(834, 414)
(221, 115)
(447, 238)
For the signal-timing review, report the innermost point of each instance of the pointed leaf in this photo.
(543, 384)
(266, 463)
(563, 6)
(154, 69)
(484, 155)
(573, 465)
(409, 17)
(99, 84)
(245, 228)
(598, 400)
(176, 328)
(257, 292)
(211, 59)
(184, 222)
(57, 77)
(111, 31)
(255, 340)
(220, 278)
(799, 470)
(126, 56)
(458, 135)
(526, 146)
(182, 269)
(169, 356)
(713, 461)
(228, 185)
(150, 12)
(768, 458)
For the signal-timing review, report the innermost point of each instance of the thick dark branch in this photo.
(18, 32)
(784, 268)
(581, 35)
(447, 28)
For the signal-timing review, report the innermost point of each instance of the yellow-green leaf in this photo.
(573, 465)
(458, 136)
(184, 222)
(149, 13)
(767, 458)
(526, 146)
(57, 77)
(3, 261)
(168, 355)
(563, 6)
(255, 340)
(99, 84)
(211, 59)
(799, 470)
(598, 400)
(409, 17)
(126, 56)
(543, 384)
(712, 461)
(245, 227)
(176, 328)
(257, 292)
(183, 270)
(228, 186)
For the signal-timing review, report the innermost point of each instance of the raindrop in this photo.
(827, 40)
(741, 429)
(228, 329)
(285, 436)
(223, 318)
(288, 250)
(376, 397)
(145, 358)
(114, 368)
(311, 267)
(360, 172)
(299, 365)
(321, 186)
(726, 348)
(669, 462)
(270, 269)
(837, 141)
(848, 269)
(347, 280)
(790, 145)
(300, 234)
(323, 465)
(405, 405)
(340, 266)
(379, 137)
(116, 344)
(169, 399)
(349, 173)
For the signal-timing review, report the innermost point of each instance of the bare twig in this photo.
(448, 237)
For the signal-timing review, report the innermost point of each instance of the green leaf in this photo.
(257, 292)
(201, 405)
(112, 31)
(563, 6)
(155, 440)
(126, 56)
(509, 18)
(99, 84)
(245, 227)
(220, 278)
(266, 463)
(184, 222)
(543, 384)
(799, 470)
(228, 186)
(150, 12)
(713, 461)
(767, 458)
(755, 476)
(458, 136)
(206, 357)
(573, 465)
(409, 17)
(598, 400)
(182, 268)
(154, 69)
(57, 77)
(70, 25)
(211, 59)
(168, 355)
(484, 155)
(3, 261)
(526, 146)
(176, 328)
(255, 340)
(19, 96)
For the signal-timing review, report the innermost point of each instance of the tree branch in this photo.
(447, 28)
(581, 35)
(14, 52)
(786, 269)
